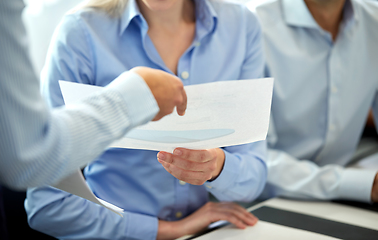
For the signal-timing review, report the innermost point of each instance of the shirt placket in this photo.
(182, 189)
(183, 67)
(334, 80)
(182, 199)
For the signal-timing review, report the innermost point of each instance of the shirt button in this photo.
(334, 89)
(182, 183)
(184, 75)
(178, 214)
(209, 187)
(197, 44)
(332, 127)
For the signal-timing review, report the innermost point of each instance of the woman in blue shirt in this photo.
(198, 40)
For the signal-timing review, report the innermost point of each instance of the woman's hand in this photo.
(193, 166)
(209, 213)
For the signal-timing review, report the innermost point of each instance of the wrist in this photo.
(168, 230)
(220, 163)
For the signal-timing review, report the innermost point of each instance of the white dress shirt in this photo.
(39, 146)
(322, 95)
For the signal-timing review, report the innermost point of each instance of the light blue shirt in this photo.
(322, 95)
(90, 47)
(41, 146)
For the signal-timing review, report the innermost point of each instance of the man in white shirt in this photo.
(39, 146)
(323, 55)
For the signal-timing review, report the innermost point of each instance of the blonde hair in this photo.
(114, 8)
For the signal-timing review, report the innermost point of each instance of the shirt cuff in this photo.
(140, 102)
(356, 184)
(228, 175)
(141, 226)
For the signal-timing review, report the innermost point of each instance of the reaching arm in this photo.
(38, 146)
(67, 216)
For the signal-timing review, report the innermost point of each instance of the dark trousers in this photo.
(3, 227)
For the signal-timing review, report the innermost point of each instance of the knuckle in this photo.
(212, 167)
(180, 85)
(185, 153)
(208, 176)
(202, 157)
(168, 168)
(169, 111)
(189, 165)
(177, 101)
(180, 174)
(228, 215)
(171, 159)
(234, 219)
(199, 182)
(211, 206)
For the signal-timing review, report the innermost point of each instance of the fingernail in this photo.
(161, 156)
(177, 152)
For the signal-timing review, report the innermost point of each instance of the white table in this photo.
(292, 219)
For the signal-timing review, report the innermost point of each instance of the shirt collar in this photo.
(131, 11)
(350, 13)
(205, 14)
(296, 13)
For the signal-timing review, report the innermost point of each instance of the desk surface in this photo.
(292, 219)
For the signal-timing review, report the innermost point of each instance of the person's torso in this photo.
(323, 90)
(133, 179)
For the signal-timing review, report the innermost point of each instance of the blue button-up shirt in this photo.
(322, 95)
(91, 47)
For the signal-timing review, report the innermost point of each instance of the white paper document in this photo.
(76, 184)
(218, 114)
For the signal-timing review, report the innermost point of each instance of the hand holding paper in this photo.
(193, 166)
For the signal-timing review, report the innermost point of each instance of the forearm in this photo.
(40, 147)
(170, 230)
(304, 179)
(243, 175)
(62, 215)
